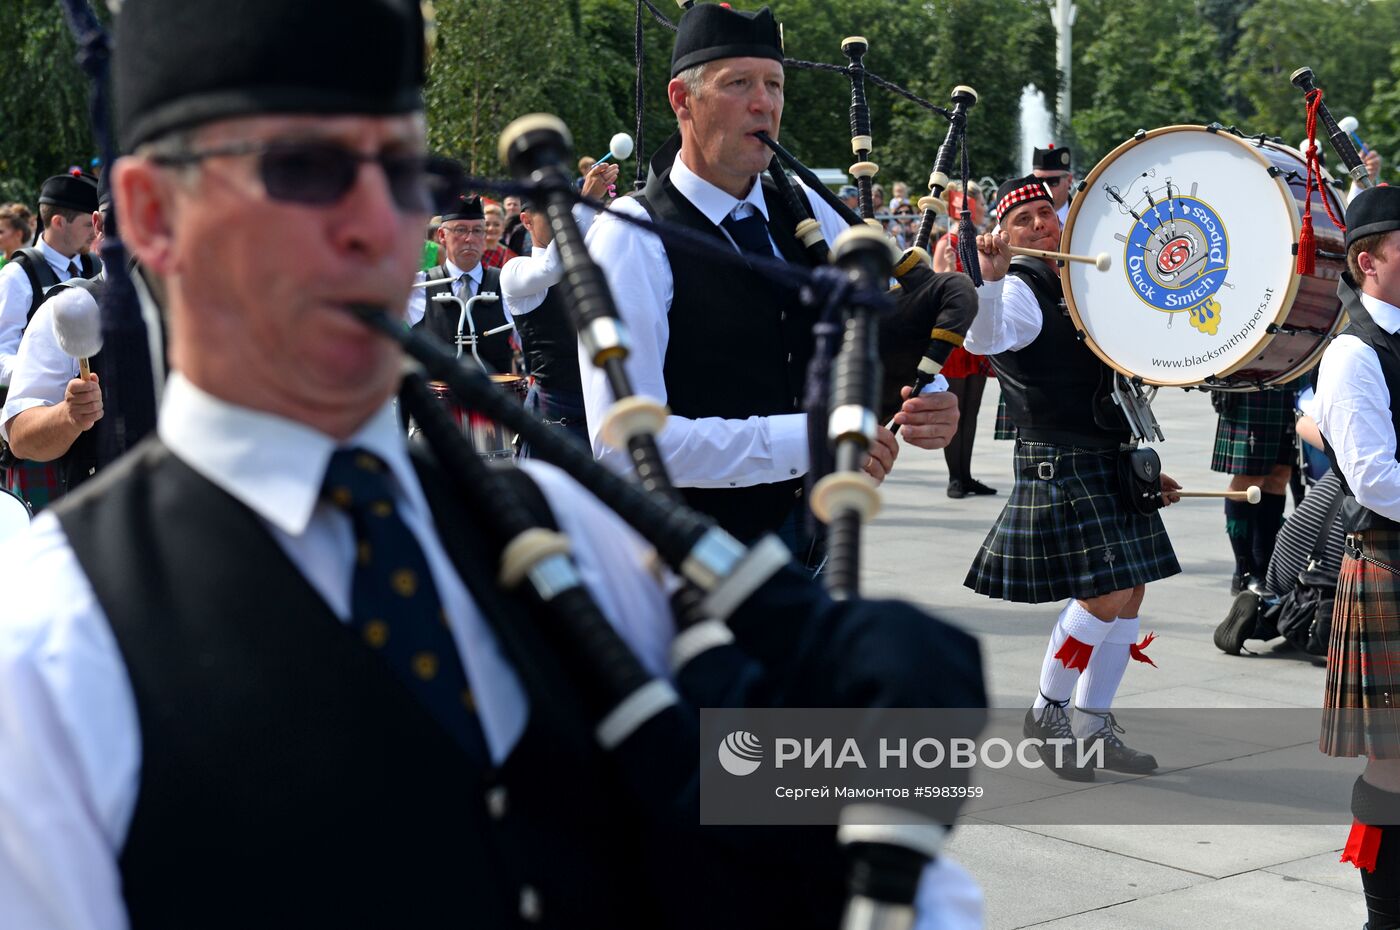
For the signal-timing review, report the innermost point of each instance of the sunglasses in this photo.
(322, 173)
(1055, 181)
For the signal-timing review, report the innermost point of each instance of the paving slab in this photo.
(1011, 863)
(1323, 869)
(1199, 877)
(1229, 904)
(1214, 851)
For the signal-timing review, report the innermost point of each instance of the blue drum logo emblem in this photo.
(1177, 253)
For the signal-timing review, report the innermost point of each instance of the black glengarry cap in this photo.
(181, 63)
(1050, 159)
(710, 31)
(71, 191)
(1375, 210)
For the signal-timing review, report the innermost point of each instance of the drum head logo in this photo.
(740, 753)
(1176, 253)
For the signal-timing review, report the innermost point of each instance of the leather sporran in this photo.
(1140, 480)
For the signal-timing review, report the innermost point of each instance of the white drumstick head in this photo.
(620, 146)
(1348, 124)
(1102, 261)
(77, 322)
(1252, 495)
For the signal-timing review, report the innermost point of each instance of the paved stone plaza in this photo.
(1138, 877)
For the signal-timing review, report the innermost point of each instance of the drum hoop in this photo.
(1294, 279)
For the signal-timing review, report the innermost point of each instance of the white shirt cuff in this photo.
(788, 433)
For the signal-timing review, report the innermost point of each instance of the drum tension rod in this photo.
(1282, 329)
(1322, 253)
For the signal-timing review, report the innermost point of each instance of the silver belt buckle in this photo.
(1352, 545)
(1045, 470)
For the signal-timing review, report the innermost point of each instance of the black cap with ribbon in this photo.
(1050, 159)
(466, 208)
(181, 63)
(75, 191)
(1374, 210)
(710, 31)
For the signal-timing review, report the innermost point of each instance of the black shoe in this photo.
(973, 486)
(1054, 724)
(955, 490)
(1238, 624)
(1118, 757)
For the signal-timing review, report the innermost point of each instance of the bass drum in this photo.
(1202, 227)
(14, 515)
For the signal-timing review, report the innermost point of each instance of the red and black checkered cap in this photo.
(1017, 191)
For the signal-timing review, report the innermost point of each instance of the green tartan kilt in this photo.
(1005, 429)
(1255, 435)
(1362, 698)
(37, 483)
(1068, 535)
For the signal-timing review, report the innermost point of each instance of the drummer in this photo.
(1063, 535)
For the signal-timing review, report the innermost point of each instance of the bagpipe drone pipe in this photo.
(744, 646)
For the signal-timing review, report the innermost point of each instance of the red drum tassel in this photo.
(1307, 247)
(1074, 654)
(1136, 650)
(1363, 842)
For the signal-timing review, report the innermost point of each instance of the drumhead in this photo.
(14, 515)
(1201, 235)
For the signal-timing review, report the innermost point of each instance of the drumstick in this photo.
(1252, 495)
(1100, 261)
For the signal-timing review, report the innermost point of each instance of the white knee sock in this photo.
(1064, 660)
(1101, 679)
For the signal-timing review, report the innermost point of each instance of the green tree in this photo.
(43, 99)
(1346, 42)
(494, 61)
(1380, 123)
(1150, 63)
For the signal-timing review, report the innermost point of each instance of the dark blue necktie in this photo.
(750, 233)
(393, 601)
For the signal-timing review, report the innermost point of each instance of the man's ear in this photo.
(144, 208)
(679, 96)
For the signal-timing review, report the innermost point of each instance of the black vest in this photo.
(550, 344)
(286, 772)
(441, 319)
(1056, 389)
(739, 347)
(1387, 348)
(42, 277)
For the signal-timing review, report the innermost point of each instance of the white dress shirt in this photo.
(70, 744)
(15, 297)
(710, 452)
(1353, 413)
(41, 371)
(526, 279)
(1008, 317)
(418, 297)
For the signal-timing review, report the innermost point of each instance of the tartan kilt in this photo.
(1362, 697)
(36, 482)
(1255, 435)
(1068, 536)
(1005, 429)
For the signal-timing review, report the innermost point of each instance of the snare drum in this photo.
(1202, 227)
(490, 439)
